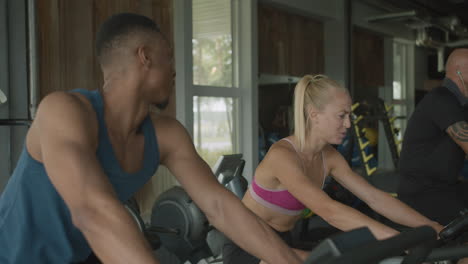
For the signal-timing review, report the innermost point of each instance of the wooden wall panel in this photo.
(271, 40)
(48, 46)
(76, 45)
(314, 58)
(368, 63)
(297, 46)
(280, 41)
(289, 44)
(67, 31)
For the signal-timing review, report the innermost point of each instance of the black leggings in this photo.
(232, 254)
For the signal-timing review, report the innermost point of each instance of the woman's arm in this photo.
(285, 166)
(380, 201)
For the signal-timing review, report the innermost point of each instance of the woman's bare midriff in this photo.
(279, 222)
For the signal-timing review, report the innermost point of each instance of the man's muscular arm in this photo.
(222, 208)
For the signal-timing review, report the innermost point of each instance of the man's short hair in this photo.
(117, 27)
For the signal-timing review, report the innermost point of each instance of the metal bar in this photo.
(348, 18)
(15, 122)
(33, 88)
(392, 16)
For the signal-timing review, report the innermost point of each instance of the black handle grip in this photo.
(451, 253)
(376, 251)
(15, 122)
(454, 228)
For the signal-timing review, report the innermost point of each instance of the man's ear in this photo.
(144, 56)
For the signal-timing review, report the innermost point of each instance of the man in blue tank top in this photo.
(87, 152)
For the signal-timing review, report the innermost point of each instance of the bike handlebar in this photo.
(375, 251)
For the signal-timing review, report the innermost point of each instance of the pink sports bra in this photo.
(280, 200)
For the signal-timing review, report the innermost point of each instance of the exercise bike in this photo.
(412, 246)
(182, 228)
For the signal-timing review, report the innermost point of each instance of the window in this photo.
(215, 125)
(218, 87)
(212, 43)
(402, 85)
(215, 106)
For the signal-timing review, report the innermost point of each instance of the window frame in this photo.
(245, 78)
(408, 82)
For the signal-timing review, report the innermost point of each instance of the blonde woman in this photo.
(291, 176)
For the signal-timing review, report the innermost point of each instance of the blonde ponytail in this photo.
(300, 116)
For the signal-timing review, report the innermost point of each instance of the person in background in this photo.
(435, 145)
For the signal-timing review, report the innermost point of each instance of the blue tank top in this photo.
(35, 223)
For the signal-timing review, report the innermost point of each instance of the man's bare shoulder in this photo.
(67, 109)
(62, 114)
(61, 102)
